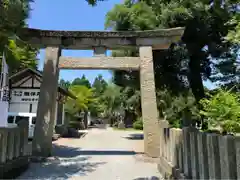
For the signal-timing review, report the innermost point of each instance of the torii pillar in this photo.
(46, 111)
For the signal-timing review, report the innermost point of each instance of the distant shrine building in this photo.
(25, 90)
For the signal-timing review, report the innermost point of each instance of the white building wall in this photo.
(19, 107)
(26, 98)
(34, 107)
(22, 98)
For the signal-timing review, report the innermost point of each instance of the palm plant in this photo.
(81, 103)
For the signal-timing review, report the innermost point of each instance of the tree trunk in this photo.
(195, 78)
(186, 119)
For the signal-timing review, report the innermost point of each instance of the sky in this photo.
(73, 15)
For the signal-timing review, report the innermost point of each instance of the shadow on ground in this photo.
(67, 162)
(147, 178)
(137, 136)
(106, 153)
(60, 151)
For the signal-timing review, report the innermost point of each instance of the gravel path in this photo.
(103, 154)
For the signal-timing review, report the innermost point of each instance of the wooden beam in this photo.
(121, 63)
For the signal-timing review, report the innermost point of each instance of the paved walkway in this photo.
(103, 154)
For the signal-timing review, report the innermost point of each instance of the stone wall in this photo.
(190, 154)
(14, 153)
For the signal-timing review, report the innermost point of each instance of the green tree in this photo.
(84, 96)
(82, 103)
(64, 84)
(93, 2)
(234, 34)
(99, 85)
(82, 82)
(223, 110)
(112, 98)
(20, 56)
(13, 14)
(205, 24)
(131, 99)
(226, 72)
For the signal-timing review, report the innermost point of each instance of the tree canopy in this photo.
(82, 82)
(13, 15)
(185, 64)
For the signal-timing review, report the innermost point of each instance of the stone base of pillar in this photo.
(151, 142)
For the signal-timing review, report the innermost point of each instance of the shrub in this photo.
(138, 124)
(76, 125)
(173, 108)
(223, 110)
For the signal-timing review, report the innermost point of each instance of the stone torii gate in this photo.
(54, 41)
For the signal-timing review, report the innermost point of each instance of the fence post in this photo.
(10, 143)
(237, 148)
(3, 144)
(23, 126)
(203, 155)
(194, 153)
(186, 153)
(213, 156)
(168, 144)
(173, 146)
(180, 150)
(228, 157)
(17, 142)
(161, 148)
(165, 140)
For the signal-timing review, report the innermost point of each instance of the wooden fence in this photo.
(14, 152)
(190, 154)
